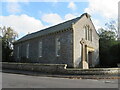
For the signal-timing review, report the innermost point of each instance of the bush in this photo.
(110, 55)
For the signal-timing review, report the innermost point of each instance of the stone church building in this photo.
(74, 42)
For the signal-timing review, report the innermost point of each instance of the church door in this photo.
(90, 59)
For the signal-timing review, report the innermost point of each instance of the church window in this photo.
(40, 48)
(58, 46)
(27, 51)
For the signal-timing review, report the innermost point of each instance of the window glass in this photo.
(18, 52)
(40, 49)
(27, 51)
(58, 46)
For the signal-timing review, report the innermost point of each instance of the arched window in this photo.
(85, 28)
(40, 49)
(88, 33)
(57, 46)
(18, 52)
(27, 51)
(88, 30)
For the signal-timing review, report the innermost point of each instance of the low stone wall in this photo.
(44, 68)
(94, 71)
(60, 69)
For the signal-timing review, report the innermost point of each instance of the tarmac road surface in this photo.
(26, 81)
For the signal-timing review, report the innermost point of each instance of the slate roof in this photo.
(51, 29)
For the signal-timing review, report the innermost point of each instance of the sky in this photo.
(27, 16)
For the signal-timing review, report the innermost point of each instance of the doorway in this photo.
(90, 58)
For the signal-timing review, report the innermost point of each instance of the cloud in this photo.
(96, 23)
(72, 6)
(22, 24)
(52, 18)
(13, 7)
(69, 16)
(107, 9)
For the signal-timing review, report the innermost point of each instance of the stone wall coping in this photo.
(35, 64)
(92, 69)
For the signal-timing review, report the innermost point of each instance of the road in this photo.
(26, 81)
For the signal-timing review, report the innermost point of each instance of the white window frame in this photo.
(40, 49)
(57, 42)
(18, 52)
(27, 51)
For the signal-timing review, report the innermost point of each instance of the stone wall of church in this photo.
(48, 49)
(79, 34)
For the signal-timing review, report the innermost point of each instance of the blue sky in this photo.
(27, 17)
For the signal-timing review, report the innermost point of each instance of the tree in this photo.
(8, 37)
(106, 34)
(109, 48)
(112, 26)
